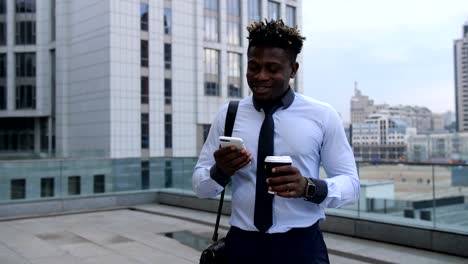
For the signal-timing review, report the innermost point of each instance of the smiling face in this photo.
(268, 72)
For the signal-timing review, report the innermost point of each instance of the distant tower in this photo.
(461, 79)
(361, 106)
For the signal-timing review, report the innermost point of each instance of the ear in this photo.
(294, 69)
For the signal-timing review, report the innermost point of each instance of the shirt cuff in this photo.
(321, 191)
(218, 176)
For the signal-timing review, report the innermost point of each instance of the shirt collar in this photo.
(286, 100)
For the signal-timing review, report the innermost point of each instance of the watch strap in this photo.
(321, 191)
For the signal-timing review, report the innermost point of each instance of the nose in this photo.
(262, 75)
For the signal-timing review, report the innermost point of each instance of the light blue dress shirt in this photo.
(309, 131)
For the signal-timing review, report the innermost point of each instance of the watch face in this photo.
(310, 189)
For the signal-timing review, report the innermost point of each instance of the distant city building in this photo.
(122, 79)
(445, 147)
(461, 79)
(361, 106)
(380, 137)
(418, 117)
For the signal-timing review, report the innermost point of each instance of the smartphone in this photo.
(231, 141)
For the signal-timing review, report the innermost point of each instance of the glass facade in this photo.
(144, 53)
(167, 91)
(47, 187)
(254, 10)
(211, 17)
(167, 21)
(99, 183)
(25, 6)
(25, 80)
(3, 83)
(25, 32)
(145, 138)
(234, 75)
(273, 10)
(3, 23)
(211, 61)
(291, 16)
(74, 185)
(144, 16)
(144, 90)
(168, 131)
(167, 56)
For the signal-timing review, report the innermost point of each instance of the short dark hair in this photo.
(275, 33)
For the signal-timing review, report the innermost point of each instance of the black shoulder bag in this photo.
(215, 253)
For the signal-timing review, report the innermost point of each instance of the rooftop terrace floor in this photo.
(137, 235)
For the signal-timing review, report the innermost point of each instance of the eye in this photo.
(274, 68)
(252, 67)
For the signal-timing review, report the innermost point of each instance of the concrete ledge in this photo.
(416, 237)
(191, 201)
(23, 209)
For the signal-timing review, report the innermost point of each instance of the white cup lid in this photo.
(278, 159)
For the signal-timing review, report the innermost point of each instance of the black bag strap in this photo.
(228, 126)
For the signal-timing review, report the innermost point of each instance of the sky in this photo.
(398, 51)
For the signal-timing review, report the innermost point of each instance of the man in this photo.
(308, 131)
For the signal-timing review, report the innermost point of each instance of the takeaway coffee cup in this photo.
(275, 161)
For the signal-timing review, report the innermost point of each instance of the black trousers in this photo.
(298, 245)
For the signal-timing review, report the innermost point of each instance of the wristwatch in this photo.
(309, 190)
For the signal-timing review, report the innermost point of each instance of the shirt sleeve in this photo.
(203, 184)
(338, 162)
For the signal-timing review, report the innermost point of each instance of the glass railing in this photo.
(431, 196)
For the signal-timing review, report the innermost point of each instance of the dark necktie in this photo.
(263, 216)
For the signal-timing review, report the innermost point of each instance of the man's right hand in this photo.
(231, 159)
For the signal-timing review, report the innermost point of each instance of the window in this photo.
(167, 21)
(211, 14)
(233, 7)
(47, 187)
(144, 90)
(233, 33)
(290, 16)
(145, 130)
(3, 88)
(144, 16)
(25, 64)
(25, 97)
(44, 134)
(167, 56)
(211, 60)
(52, 20)
(99, 183)
(74, 185)
(211, 4)
(273, 10)
(3, 31)
(144, 53)
(167, 91)
(18, 189)
(234, 75)
(3, 7)
(25, 6)
(145, 175)
(211, 29)
(3, 96)
(25, 32)
(168, 131)
(254, 10)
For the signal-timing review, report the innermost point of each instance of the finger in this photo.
(284, 170)
(240, 161)
(285, 191)
(280, 180)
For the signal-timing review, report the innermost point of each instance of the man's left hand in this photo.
(287, 182)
